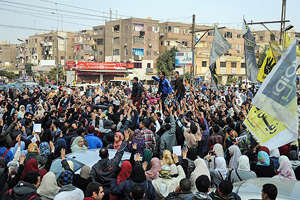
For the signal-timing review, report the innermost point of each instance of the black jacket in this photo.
(178, 196)
(81, 183)
(136, 91)
(22, 191)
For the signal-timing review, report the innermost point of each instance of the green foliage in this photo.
(166, 61)
(8, 74)
(28, 69)
(53, 72)
(231, 80)
(188, 76)
(261, 57)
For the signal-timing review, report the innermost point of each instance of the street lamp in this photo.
(289, 27)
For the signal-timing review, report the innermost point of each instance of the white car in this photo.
(82, 158)
(251, 189)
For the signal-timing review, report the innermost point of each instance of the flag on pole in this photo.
(273, 119)
(277, 50)
(287, 41)
(249, 43)
(267, 66)
(219, 46)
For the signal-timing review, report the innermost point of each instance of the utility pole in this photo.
(283, 14)
(56, 58)
(193, 48)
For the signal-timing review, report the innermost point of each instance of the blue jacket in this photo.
(93, 141)
(9, 155)
(166, 87)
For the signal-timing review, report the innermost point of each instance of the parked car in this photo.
(251, 189)
(80, 159)
(29, 85)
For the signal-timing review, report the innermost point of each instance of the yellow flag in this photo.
(267, 66)
(287, 41)
(277, 50)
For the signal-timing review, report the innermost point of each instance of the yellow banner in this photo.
(262, 125)
(267, 66)
(287, 41)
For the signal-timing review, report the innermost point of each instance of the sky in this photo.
(20, 16)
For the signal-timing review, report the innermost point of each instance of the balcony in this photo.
(149, 70)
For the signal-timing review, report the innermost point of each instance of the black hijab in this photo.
(138, 174)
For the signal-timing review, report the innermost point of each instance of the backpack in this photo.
(9, 195)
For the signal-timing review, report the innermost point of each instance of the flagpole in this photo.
(245, 58)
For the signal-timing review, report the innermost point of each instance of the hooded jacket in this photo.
(104, 169)
(168, 139)
(23, 191)
(178, 196)
(216, 196)
(200, 195)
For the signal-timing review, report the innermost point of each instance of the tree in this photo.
(28, 69)
(166, 61)
(261, 57)
(53, 73)
(7, 74)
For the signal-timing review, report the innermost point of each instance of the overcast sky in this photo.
(42, 14)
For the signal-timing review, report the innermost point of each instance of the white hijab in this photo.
(48, 187)
(218, 150)
(221, 166)
(200, 169)
(236, 154)
(281, 159)
(244, 164)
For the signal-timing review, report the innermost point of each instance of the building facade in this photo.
(85, 48)
(8, 57)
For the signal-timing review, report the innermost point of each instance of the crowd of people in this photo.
(149, 122)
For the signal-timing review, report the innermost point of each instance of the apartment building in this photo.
(85, 48)
(98, 35)
(8, 56)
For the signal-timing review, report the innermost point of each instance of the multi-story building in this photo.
(85, 48)
(98, 35)
(8, 56)
(263, 39)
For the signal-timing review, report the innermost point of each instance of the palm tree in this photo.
(53, 73)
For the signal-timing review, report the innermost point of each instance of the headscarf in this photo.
(27, 109)
(41, 112)
(20, 113)
(274, 153)
(48, 187)
(118, 144)
(125, 172)
(286, 171)
(33, 148)
(200, 169)
(293, 155)
(236, 153)
(32, 166)
(138, 174)
(154, 170)
(218, 150)
(60, 144)
(244, 163)
(44, 149)
(282, 158)
(22, 148)
(220, 164)
(147, 156)
(75, 145)
(265, 149)
(167, 158)
(138, 135)
(85, 172)
(165, 172)
(263, 159)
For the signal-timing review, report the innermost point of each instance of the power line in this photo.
(23, 27)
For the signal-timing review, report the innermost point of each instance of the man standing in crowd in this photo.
(179, 87)
(164, 88)
(136, 92)
(94, 191)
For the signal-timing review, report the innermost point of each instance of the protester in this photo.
(83, 179)
(243, 171)
(269, 192)
(94, 191)
(200, 169)
(224, 191)
(263, 168)
(203, 187)
(48, 188)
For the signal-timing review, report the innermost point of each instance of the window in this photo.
(238, 47)
(272, 37)
(161, 43)
(137, 65)
(138, 40)
(126, 28)
(149, 53)
(233, 64)
(261, 38)
(210, 33)
(138, 27)
(61, 57)
(174, 30)
(100, 41)
(204, 63)
(148, 65)
(116, 40)
(96, 31)
(155, 53)
(238, 35)
(155, 29)
(186, 31)
(100, 53)
(243, 65)
(116, 52)
(35, 40)
(228, 34)
(116, 28)
(149, 28)
(223, 64)
(126, 52)
(100, 31)
(82, 57)
(168, 43)
(137, 52)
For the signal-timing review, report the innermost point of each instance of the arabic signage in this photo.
(233, 59)
(184, 59)
(99, 66)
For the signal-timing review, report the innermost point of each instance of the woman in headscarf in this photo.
(139, 140)
(48, 188)
(21, 112)
(210, 158)
(166, 183)
(167, 158)
(154, 170)
(243, 172)
(34, 153)
(40, 111)
(137, 176)
(45, 150)
(147, 157)
(263, 168)
(220, 172)
(274, 155)
(200, 169)
(235, 153)
(29, 109)
(282, 158)
(294, 159)
(124, 174)
(118, 140)
(83, 179)
(59, 144)
(285, 171)
(78, 145)
(32, 166)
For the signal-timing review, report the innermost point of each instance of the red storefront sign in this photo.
(99, 66)
(70, 64)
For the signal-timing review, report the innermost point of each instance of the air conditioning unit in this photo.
(150, 45)
(138, 58)
(125, 45)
